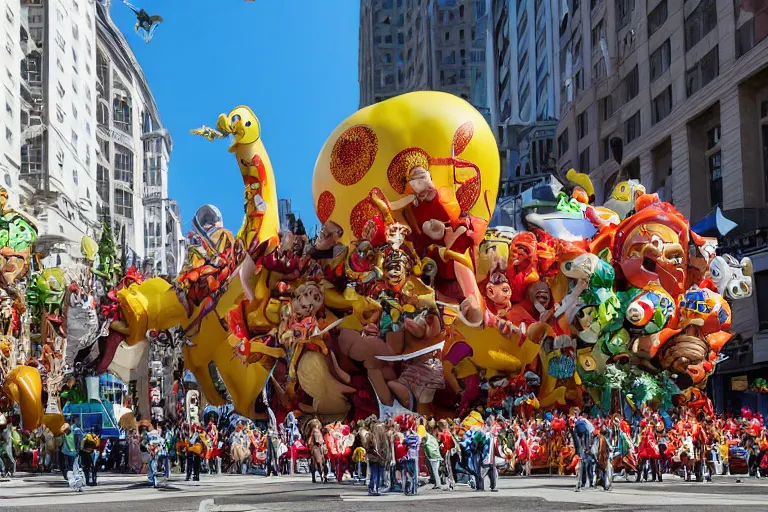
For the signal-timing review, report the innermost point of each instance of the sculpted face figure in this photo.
(539, 293)
(307, 299)
(329, 236)
(653, 254)
(420, 182)
(498, 290)
(396, 234)
(396, 269)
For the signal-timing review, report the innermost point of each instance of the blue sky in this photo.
(293, 62)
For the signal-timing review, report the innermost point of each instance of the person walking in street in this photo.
(88, 453)
(411, 470)
(68, 451)
(434, 458)
(272, 461)
(489, 450)
(582, 440)
(448, 452)
(375, 446)
(7, 460)
(603, 464)
(195, 448)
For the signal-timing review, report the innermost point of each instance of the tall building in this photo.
(682, 87)
(57, 141)
(80, 131)
(13, 29)
(283, 213)
(133, 154)
(525, 66)
(412, 45)
(500, 55)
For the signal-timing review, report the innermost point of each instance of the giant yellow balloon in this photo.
(373, 150)
(24, 386)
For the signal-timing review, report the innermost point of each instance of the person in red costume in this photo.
(522, 271)
(444, 233)
(648, 451)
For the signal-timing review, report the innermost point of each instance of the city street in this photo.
(236, 493)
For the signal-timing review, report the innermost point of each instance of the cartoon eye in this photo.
(297, 333)
(715, 272)
(235, 118)
(568, 265)
(247, 123)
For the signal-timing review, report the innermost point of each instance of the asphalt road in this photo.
(236, 493)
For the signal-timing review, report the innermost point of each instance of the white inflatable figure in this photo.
(76, 478)
(733, 278)
(622, 200)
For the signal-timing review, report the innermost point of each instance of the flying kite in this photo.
(146, 24)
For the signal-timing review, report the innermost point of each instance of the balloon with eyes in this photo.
(648, 250)
(622, 200)
(592, 277)
(690, 351)
(732, 278)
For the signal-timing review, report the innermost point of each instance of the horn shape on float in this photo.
(24, 386)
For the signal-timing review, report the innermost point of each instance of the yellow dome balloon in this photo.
(421, 431)
(373, 150)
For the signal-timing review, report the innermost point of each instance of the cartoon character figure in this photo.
(732, 278)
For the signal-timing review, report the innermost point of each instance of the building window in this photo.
(582, 125)
(657, 17)
(714, 165)
(597, 32)
(632, 127)
(700, 23)
(123, 165)
(624, 10)
(8, 135)
(745, 37)
(122, 115)
(562, 143)
(32, 156)
(584, 161)
(599, 71)
(662, 105)
(660, 60)
(74, 176)
(631, 84)
(74, 139)
(605, 150)
(104, 148)
(102, 182)
(702, 73)
(102, 114)
(606, 106)
(715, 180)
(123, 203)
(31, 70)
(579, 80)
(60, 41)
